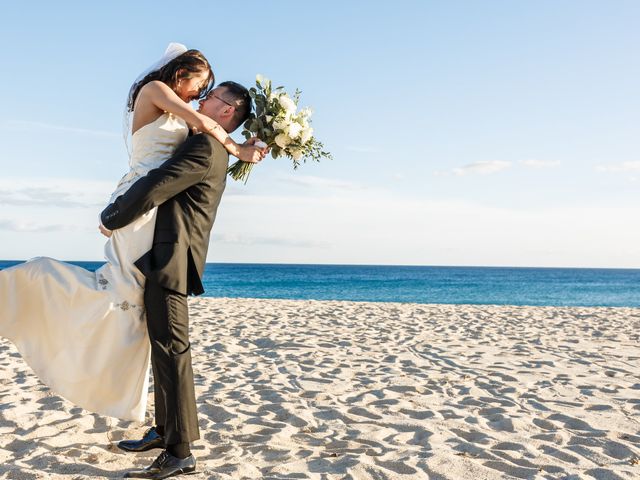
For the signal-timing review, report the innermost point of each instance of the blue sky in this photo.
(463, 133)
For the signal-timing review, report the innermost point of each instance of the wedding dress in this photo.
(84, 333)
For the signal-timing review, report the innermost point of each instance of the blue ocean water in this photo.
(453, 285)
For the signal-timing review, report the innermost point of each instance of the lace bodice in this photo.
(151, 146)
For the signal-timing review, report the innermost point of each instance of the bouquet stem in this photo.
(240, 170)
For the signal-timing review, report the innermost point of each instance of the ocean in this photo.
(421, 284)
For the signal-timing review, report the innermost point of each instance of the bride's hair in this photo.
(183, 66)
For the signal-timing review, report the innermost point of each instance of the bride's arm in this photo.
(160, 95)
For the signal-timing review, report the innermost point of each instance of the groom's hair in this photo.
(240, 96)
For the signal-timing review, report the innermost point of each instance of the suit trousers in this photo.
(168, 326)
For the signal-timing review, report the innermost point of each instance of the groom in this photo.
(187, 189)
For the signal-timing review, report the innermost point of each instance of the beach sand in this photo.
(346, 390)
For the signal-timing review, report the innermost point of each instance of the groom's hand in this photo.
(255, 153)
(104, 230)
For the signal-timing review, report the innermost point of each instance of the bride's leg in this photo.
(79, 342)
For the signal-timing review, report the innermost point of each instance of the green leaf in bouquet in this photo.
(271, 108)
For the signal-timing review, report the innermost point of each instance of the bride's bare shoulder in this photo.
(145, 111)
(153, 95)
(155, 88)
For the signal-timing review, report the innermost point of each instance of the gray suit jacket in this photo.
(187, 189)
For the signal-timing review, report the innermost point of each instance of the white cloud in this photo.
(362, 149)
(494, 166)
(309, 181)
(41, 196)
(533, 163)
(31, 125)
(54, 192)
(33, 227)
(482, 168)
(362, 226)
(631, 166)
(249, 240)
(369, 227)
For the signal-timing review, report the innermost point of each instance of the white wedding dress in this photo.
(84, 333)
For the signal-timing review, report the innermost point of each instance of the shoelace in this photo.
(162, 458)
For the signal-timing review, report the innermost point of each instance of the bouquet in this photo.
(279, 124)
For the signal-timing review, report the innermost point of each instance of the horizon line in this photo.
(371, 265)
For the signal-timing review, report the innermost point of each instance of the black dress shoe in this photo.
(166, 465)
(150, 440)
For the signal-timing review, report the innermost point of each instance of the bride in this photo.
(84, 333)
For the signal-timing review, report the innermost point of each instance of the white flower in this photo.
(268, 118)
(306, 135)
(280, 124)
(303, 117)
(296, 153)
(294, 130)
(282, 140)
(305, 114)
(287, 104)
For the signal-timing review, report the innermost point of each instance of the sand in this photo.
(346, 390)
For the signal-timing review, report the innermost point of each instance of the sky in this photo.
(493, 133)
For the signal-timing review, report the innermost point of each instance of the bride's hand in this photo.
(105, 231)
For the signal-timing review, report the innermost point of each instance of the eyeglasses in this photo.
(212, 94)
